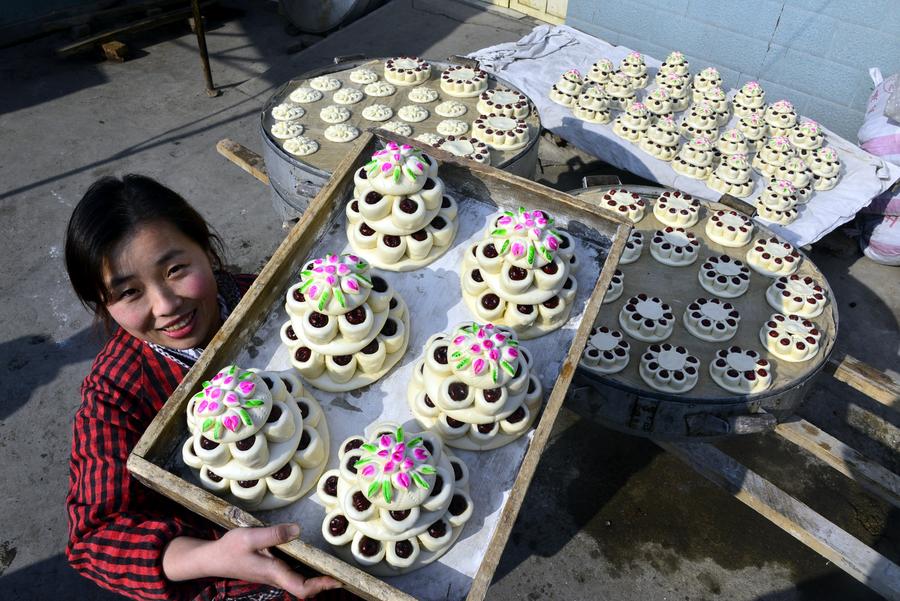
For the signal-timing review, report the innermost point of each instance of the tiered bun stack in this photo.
(397, 502)
(256, 437)
(520, 274)
(400, 217)
(475, 386)
(346, 326)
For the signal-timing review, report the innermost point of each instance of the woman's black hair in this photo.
(113, 209)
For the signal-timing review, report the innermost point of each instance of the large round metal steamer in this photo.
(295, 181)
(625, 402)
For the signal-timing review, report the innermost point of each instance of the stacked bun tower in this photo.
(256, 437)
(400, 218)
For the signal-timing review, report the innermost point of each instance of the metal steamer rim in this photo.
(322, 166)
(644, 275)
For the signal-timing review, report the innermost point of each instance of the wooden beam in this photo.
(866, 379)
(244, 158)
(869, 474)
(797, 519)
(150, 22)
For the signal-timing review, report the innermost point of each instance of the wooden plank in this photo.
(115, 51)
(139, 25)
(244, 158)
(869, 474)
(866, 379)
(796, 518)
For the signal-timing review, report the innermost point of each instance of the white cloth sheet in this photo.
(534, 63)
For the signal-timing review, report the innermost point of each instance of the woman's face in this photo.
(162, 287)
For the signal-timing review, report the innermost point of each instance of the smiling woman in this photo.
(145, 263)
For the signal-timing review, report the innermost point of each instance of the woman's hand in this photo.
(243, 554)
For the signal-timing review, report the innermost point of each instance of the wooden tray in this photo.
(156, 460)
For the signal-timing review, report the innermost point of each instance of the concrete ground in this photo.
(608, 516)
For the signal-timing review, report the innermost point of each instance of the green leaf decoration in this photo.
(306, 273)
(207, 424)
(396, 174)
(323, 300)
(232, 369)
(206, 384)
(499, 232)
(362, 462)
(456, 355)
(508, 368)
(399, 434)
(245, 417)
(361, 276)
(546, 254)
(554, 232)
(410, 173)
(246, 375)
(373, 489)
(370, 447)
(372, 162)
(509, 213)
(467, 329)
(217, 434)
(521, 210)
(531, 255)
(254, 403)
(199, 395)
(419, 481)
(386, 489)
(464, 363)
(504, 247)
(494, 374)
(339, 295)
(305, 286)
(427, 470)
(512, 342)
(414, 442)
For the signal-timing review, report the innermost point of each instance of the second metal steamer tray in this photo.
(707, 411)
(296, 180)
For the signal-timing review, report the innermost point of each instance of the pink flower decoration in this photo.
(368, 471)
(512, 353)
(227, 381)
(246, 387)
(383, 453)
(218, 376)
(352, 285)
(478, 366)
(487, 344)
(386, 167)
(343, 269)
(552, 243)
(420, 454)
(518, 249)
(214, 394)
(459, 340)
(401, 480)
(202, 406)
(212, 406)
(389, 467)
(232, 422)
(231, 399)
(407, 464)
(385, 441)
(475, 348)
(493, 354)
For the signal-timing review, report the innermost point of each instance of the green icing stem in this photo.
(504, 247)
(305, 285)
(419, 481)
(410, 173)
(427, 470)
(386, 489)
(246, 375)
(217, 434)
(231, 370)
(512, 342)
(207, 424)
(509, 213)
(253, 403)
(373, 489)
(339, 295)
(508, 368)
(465, 362)
(494, 374)
(530, 255)
(546, 254)
(245, 417)
(370, 447)
(456, 355)
(396, 174)
(362, 462)
(399, 435)
(499, 232)
(415, 442)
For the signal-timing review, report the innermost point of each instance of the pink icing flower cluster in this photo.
(393, 462)
(224, 401)
(810, 127)
(527, 234)
(334, 276)
(395, 161)
(484, 348)
(783, 106)
(785, 186)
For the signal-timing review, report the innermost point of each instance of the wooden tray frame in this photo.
(149, 457)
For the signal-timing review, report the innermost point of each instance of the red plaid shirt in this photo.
(118, 528)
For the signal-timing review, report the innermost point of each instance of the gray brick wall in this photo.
(815, 53)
